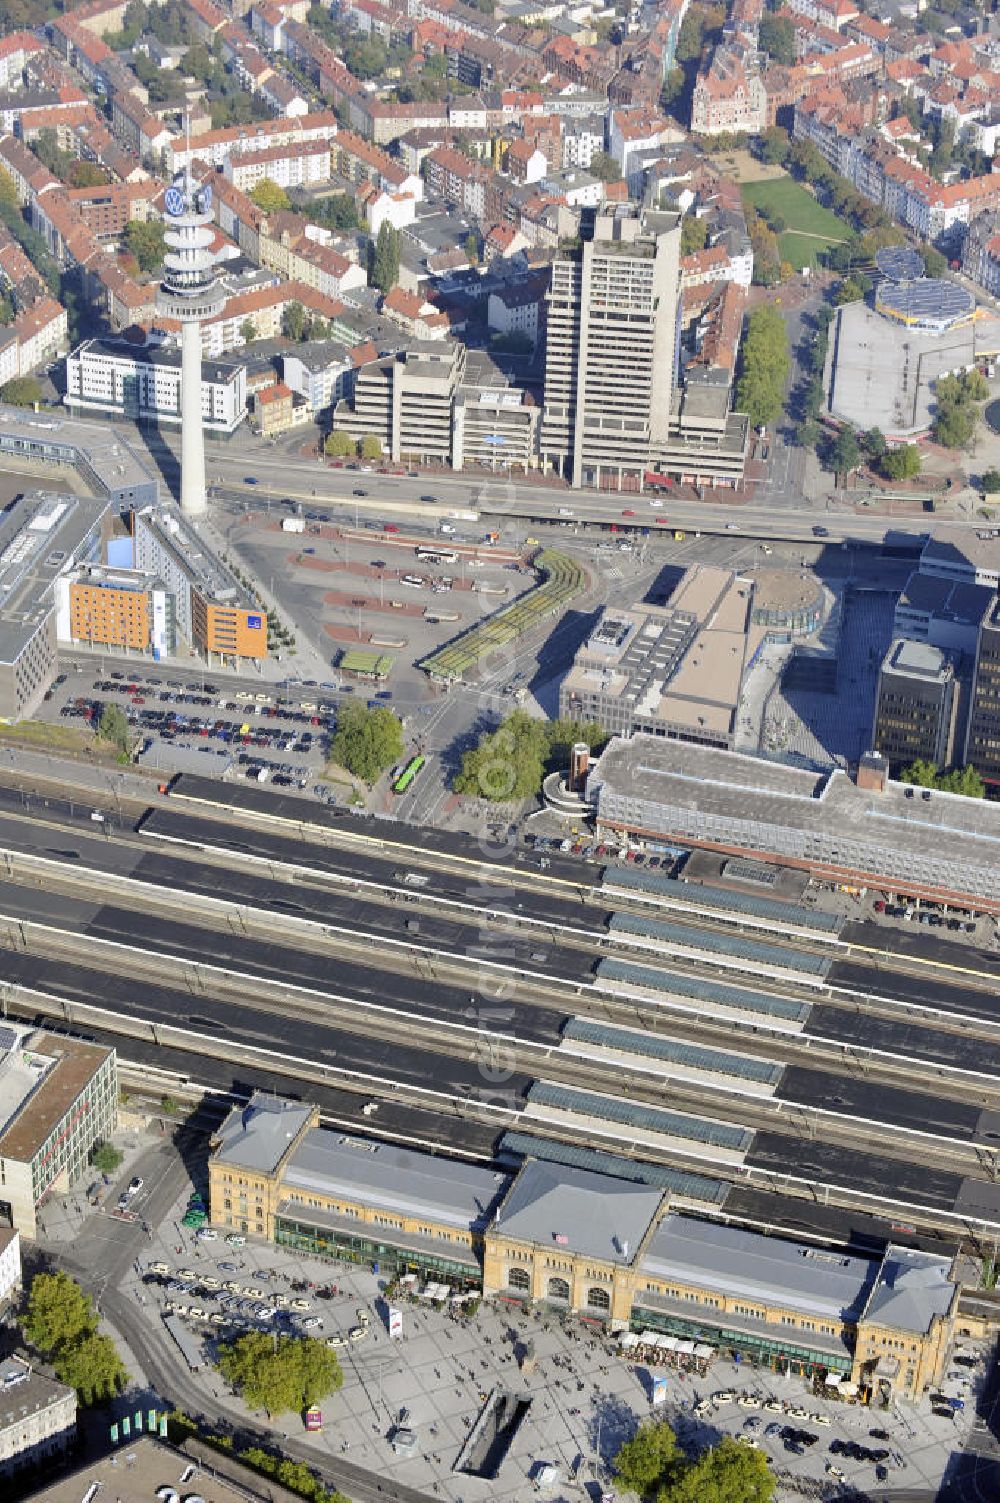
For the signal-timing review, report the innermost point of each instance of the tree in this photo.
(113, 726)
(935, 264)
(645, 1462)
(145, 241)
(385, 259)
(953, 425)
(764, 364)
(605, 167)
(874, 444)
(850, 290)
(774, 144)
(59, 1313)
(726, 1473)
(471, 248)
(8, 192)
(989, 482)
(92, 1366)
(268, 196)
(21, 391)
(338, 445)
(766, 255)
(248, 330)
(776, 35)
(371, 447)
(85, 174)
(963, 780)
(673, 88)
(845, 453)
(509, 763)
(367, 742)
(694, 233)
(900, 464)
(294, 323)
(291, 1373)
(107, 1158)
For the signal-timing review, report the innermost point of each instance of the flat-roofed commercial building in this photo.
(58, 1099)
(211, 609)
(143, 385)
(42, 535)
(37, 1418)
(149, 1470)
(963, 555)
(106, 462)
(943, 847)
(274, 1172)
(675, 670)
(916, 706)
(406, 401)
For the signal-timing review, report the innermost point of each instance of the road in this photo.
(274, 474)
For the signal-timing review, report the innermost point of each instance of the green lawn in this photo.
(811, 228)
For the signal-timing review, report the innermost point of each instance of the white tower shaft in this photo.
(193, 495)
(189, 294)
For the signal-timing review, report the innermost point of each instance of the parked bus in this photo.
(408, 773)
(314, 1417)
(436, 555)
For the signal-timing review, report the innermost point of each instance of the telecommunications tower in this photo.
(188, 293)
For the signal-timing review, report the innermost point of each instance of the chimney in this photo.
(873, 772)
(579, 763)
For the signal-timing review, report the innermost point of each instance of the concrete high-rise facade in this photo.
(611, 350)
(189, 294)
(982, 746)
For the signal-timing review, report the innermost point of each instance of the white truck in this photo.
(293, 524)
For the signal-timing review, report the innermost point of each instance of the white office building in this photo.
(144, 385)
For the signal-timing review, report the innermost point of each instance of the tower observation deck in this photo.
(189, 293)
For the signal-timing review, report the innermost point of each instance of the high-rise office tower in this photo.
(982, 745)
(188, 293)
(611, 349)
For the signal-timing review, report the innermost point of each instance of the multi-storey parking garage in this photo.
(761, 1059)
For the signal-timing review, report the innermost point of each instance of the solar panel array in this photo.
(673, 1051)
(927, 300)
(634, 1114)
(900, 263)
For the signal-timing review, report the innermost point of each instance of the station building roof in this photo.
(394, 1179)
(578, 1211)
(257, 1136)
(829, 1284)
(911, 1289)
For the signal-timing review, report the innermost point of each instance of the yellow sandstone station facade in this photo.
(605, 1249)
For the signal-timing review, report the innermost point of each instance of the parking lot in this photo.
(259, 735)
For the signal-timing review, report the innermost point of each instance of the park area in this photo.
(809, 228)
